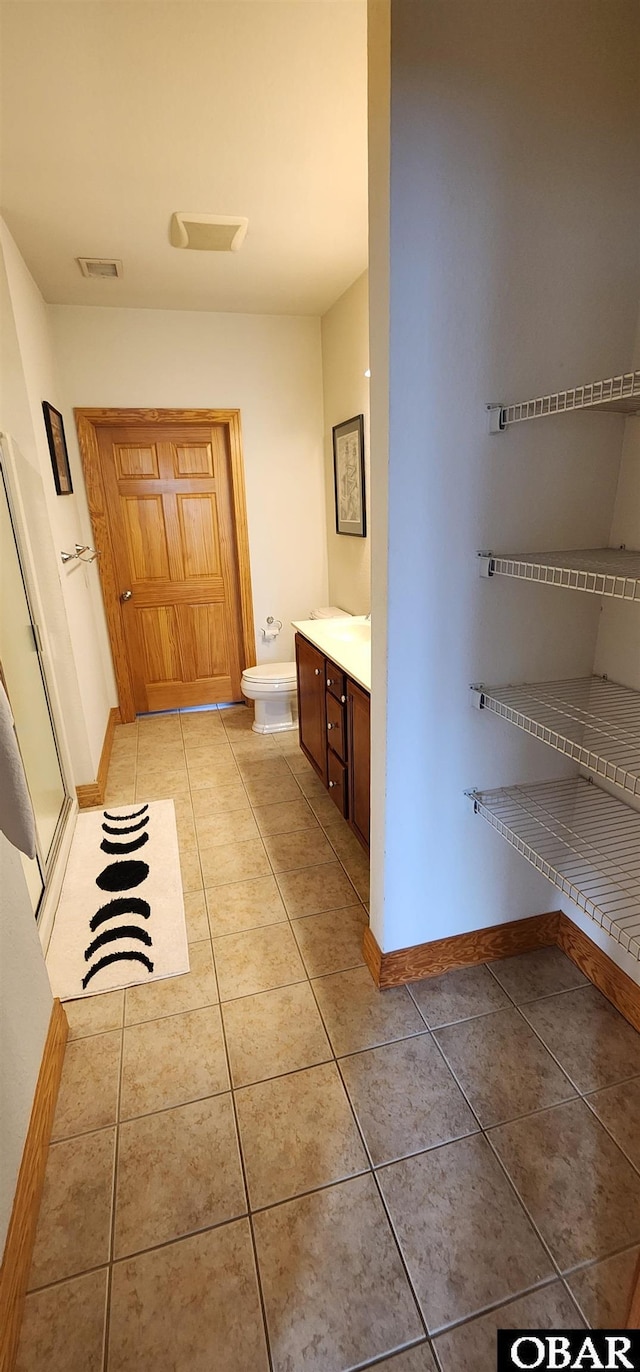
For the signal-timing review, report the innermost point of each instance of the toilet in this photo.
(272, 687)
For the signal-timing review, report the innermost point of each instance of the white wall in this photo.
(345, 359)
(269, 367)
(25, 1010)
(84, 678)
(513, 271)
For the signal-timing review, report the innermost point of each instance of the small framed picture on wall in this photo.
(54, 426)
(348, 468)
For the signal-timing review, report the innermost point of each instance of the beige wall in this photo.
(268, 366)
(345, 358)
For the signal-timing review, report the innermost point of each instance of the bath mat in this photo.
(120, 920)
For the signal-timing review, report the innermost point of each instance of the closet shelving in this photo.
(584, 839)
(618, 395)
(592, 720)
(612, 572)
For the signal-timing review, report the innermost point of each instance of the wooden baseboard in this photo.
(16, 1263)
(460, 950)
(93, 793)
(601, 970)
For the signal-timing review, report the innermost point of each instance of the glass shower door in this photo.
(25, 685)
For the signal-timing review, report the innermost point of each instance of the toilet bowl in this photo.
(272, 687)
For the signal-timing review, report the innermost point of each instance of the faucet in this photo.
(368, 617)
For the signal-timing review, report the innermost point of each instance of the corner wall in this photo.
(267, 366)
(513, 272)
(345, 359)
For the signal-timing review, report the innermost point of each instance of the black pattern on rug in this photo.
(124, 874)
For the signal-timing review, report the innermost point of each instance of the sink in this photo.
(351, 633)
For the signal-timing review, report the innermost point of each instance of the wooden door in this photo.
(358, 705)
(311, 705)
(172, 527)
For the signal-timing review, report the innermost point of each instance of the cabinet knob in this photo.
(331, 785)
(330, 726)
(329, 681)
(317, 671)
(343, 700)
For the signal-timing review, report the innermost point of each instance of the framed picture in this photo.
(348, 468)
(58, 448)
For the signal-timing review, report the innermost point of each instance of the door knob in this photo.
(126, 595)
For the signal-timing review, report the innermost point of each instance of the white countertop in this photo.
(346, 641)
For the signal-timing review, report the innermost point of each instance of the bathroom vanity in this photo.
(333, 662)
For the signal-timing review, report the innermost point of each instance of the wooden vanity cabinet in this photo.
(334, 733)
(312, 716)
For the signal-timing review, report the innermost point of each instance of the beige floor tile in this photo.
(190, 871)
(297, 1133)
(229, 862)
(178, 1171)
(195, 909)
(603, 1291)
(232, 826)
(220, 798)
(172, 776)
(502, 1067)
(285, 818)
(466, 1240)
(122, 772)
(331, 942)
(343, 840)
(592, 1042)
(244, 905)
(196, 722)
(357, 870)
(212, 748)
(306, 848)
(63, 1326)
(119, 795)
(158, 755)
(238, 716)
(161, 790)
(566, 1152)
(190, 1307)
(619, 1109)
(541, 973)
(311, 785)
(296, 760)
(358, 1016)
(203, 774)
(316, 889)
(472, 1347)
(418, 1359)
(323, 807)
(405, 1099)
(274, 1032)
(171, 1061)
(252, 747)
(273, 791)
(74, 1220)
(88, 1096)
(94, 1014)
(257, 960)
(266, 768)
(335, 1292)
(458, 995)
(172, 995)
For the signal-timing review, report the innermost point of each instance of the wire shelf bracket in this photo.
(607, 572)
(591, 720)
(583, 840)
(617, 395)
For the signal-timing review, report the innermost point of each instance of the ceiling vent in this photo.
(100, 266)
(207, 232)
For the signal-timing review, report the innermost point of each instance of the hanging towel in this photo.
(16, 813)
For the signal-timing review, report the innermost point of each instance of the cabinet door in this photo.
(359, 762)
(311, 705)
(337, 775)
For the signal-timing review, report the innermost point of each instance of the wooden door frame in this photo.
(87, 423)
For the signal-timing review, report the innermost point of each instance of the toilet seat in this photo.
(273, 674)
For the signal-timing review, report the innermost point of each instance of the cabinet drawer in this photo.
(336, 681)
(336, 731)
(337, 778)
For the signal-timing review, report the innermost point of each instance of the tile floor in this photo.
(269, 1164)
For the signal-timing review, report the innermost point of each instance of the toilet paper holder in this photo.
(272, 629)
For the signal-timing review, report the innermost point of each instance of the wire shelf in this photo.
(618, 393)
(583, 840)
(591, 720)
(601, 571)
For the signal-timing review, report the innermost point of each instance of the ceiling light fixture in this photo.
(207, 232)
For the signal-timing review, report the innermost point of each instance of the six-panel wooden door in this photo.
(170, 520)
